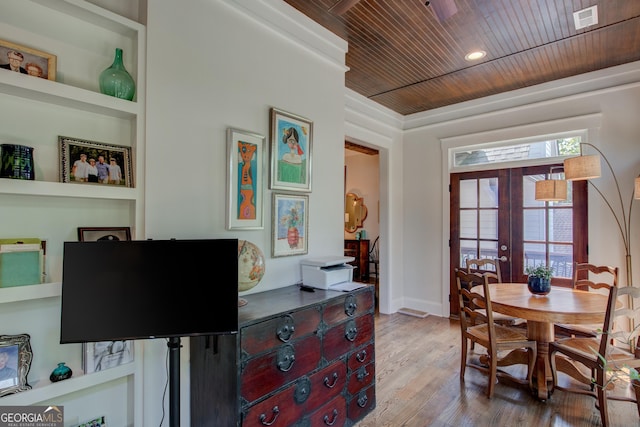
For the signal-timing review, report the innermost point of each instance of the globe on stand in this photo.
(250, 267)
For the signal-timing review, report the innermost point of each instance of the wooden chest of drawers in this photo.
(300, 359)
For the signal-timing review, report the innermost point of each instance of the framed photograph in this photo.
(92, 234)
(98, 356)
(96, 422)
(15, 362)
(291, 148)
(245, 175)
(24, 60)
(89, 162)
(290, 224)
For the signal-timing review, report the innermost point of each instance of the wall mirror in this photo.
(355, 212)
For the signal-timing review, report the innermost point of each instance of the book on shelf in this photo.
(22, 261)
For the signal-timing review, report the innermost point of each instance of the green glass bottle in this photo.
(116, 80)
(62, 372)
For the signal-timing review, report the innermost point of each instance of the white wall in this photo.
(212, 65)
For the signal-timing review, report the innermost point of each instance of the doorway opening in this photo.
(362, 182)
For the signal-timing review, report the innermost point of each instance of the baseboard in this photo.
(412, 312)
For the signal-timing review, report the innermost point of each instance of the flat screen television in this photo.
(142, 289)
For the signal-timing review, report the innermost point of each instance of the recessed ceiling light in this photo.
(475, 55)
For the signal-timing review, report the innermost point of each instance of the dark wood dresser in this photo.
(360, 250)
(300, 359)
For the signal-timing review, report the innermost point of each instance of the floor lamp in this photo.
(587, 167)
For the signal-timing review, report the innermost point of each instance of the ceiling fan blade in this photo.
(443, 9)
(342, 6)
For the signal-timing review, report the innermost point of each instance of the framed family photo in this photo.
(91, 162)
(25, 60)
(245, 175)
(98, 356)
(15, 362)
(290, 224)
(291, 149)
(93, 234)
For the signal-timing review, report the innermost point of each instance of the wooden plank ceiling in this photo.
(406, 59)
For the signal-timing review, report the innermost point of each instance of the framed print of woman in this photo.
(291, 147)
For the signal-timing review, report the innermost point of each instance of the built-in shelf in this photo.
(69, 189)
(30, 292)
(62, 95)
(36, 112)
(45, 389)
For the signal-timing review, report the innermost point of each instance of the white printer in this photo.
(330, 272)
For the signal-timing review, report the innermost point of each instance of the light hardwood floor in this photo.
(417, 385)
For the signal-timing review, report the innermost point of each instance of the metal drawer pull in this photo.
(286, 328)
(335, 380)
(350, 305)
(286, 357)
(275, 412)
(362, 356)
(303, 390)
(362, 374)
(351, 331)
(362, 400)
(335, 418)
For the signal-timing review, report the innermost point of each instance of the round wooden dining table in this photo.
(561, 305)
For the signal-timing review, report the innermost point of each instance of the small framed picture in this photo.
(92, 234)
(245, 175)
(291, 148)
(25, 60)
(98, 356)
(290, 224)
(96, 422)
(93, 162)
(15, 362)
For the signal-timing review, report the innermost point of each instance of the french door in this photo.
(494, 214)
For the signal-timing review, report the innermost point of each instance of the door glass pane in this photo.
(468, 249)
(488, 250)
(561, 225)
(534, 255)
(534, 224)
(489, 193)
(469, 193)
(529, 191)
(489, 224)
(469, 224)
(561, 259)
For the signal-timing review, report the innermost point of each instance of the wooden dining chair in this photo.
(588, 277)
(490, 267)
(606, 355)
(492, 336)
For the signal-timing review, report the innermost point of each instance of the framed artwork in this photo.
(24, 60)
(89, 162)
(290, 224)
(291, 149)
(245, 175)
(92, 234)
(98, 356)
(15, 362)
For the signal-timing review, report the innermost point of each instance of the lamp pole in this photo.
(624, 225)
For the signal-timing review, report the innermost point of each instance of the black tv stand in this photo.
(174, 381)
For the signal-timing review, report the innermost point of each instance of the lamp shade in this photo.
(636, 194)
(582, 167)
(551, 190)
